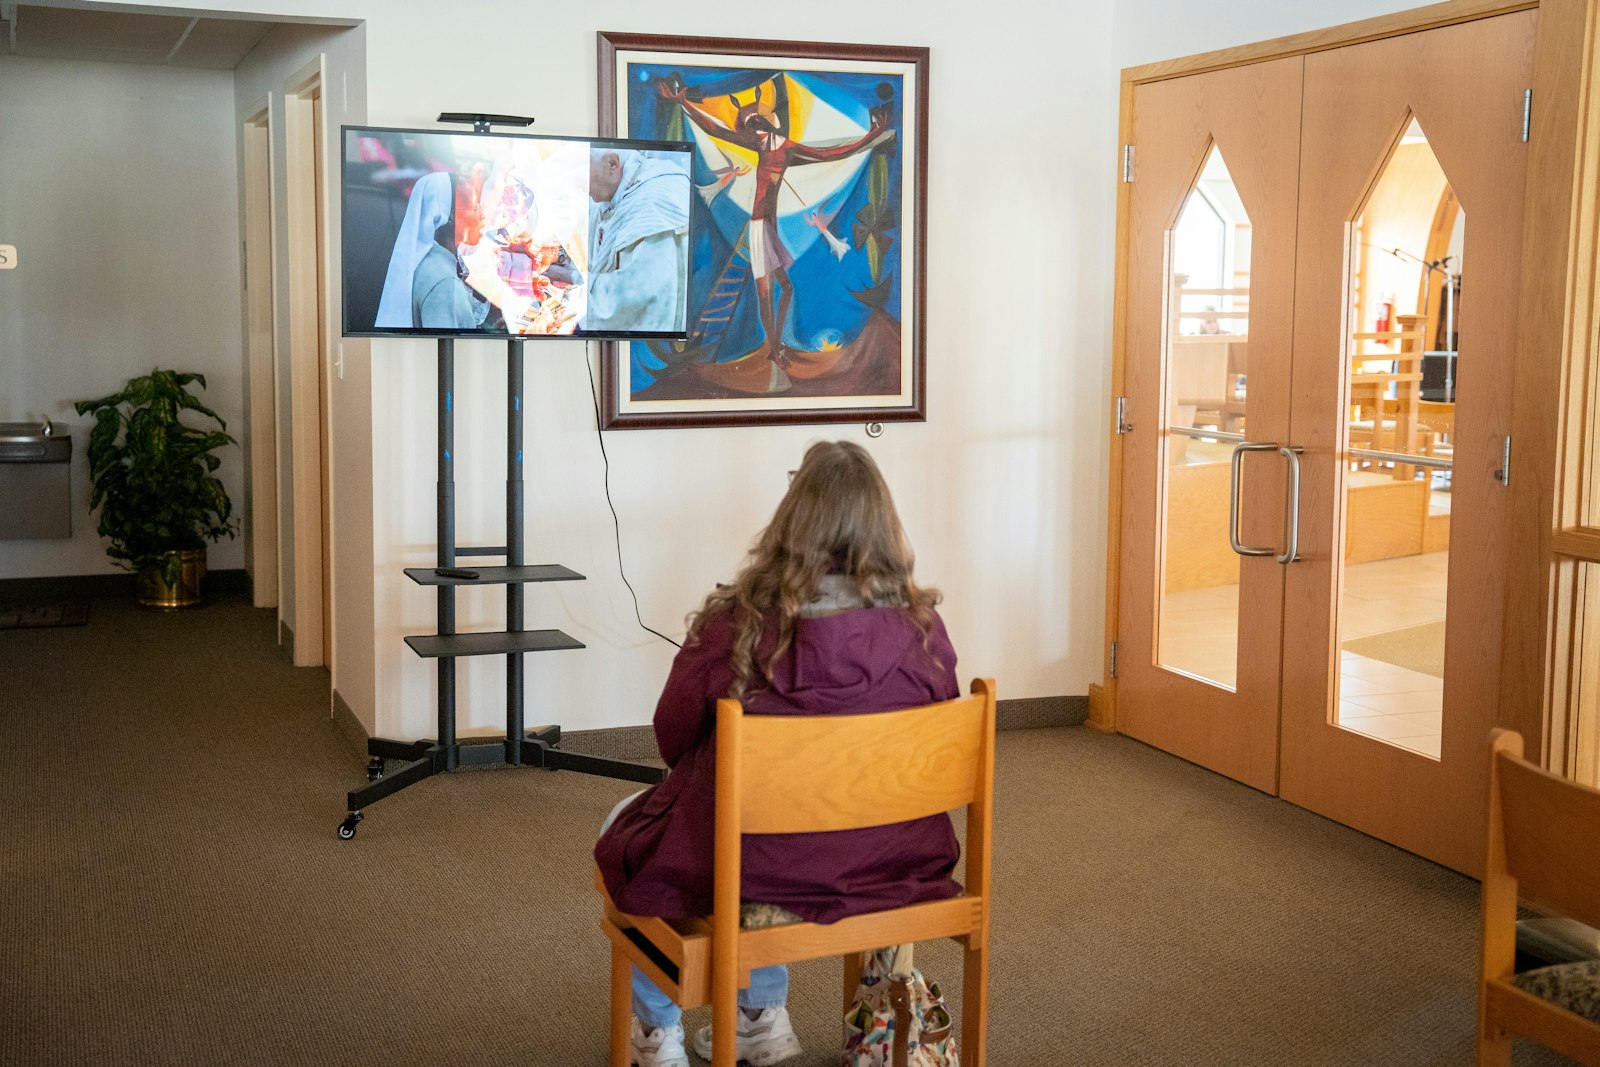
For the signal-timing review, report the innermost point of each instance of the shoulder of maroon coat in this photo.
(718, 626)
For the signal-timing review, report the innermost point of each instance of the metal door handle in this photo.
(1291, 508)
(1233, 498)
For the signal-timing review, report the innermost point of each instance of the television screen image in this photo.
(452, 234)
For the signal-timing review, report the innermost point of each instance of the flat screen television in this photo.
(450, 234)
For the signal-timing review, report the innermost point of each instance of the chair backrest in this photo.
(813, 773)
(1547, 829)
(1437, 415)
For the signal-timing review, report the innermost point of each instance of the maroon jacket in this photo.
(656, 857)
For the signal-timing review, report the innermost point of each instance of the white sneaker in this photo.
(658, 1047)
(764, 1040)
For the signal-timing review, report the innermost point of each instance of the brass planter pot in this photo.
(154, 592)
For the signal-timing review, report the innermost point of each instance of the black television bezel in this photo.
(483, 335)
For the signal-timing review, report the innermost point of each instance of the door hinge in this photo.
(1123, 425)
(1527, 114)
(1113, 659)
(1503, 475)
(1127, 162)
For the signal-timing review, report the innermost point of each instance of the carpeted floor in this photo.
(1417, 648)
(172, 891)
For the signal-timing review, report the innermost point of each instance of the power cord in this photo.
(616, 524)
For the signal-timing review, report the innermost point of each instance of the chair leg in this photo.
(724, 1027)
(852, 979)
(1495, 1050)
(1494, 1042)
(974, 1005)
(621, 1007)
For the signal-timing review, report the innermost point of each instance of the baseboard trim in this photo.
(107, 586)
(348, 726)
(1034, 713)
(1101, 710)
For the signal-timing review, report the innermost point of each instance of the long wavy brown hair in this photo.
(836, 518)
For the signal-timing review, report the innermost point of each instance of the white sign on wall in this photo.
(8, 256)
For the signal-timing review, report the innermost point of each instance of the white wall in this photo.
(117, 185)
(1148, 31)
(1002, 488)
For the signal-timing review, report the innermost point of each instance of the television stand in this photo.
(520, 747)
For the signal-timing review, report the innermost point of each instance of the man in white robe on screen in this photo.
(638, 241)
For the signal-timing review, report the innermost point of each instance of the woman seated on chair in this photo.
(823, 619)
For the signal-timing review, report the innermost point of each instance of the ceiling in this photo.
(112, 36)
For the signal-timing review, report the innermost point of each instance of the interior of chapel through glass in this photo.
(1207, 387)
(1402, 376)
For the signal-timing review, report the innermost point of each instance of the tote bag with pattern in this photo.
(898, 1018)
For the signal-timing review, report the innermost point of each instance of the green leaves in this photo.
(152, 476)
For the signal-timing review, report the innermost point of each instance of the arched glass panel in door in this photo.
(1401, 377)
(1207, 392)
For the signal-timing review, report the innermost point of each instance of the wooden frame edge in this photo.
(1579, 542)
(1103, 697)
(1556, 357)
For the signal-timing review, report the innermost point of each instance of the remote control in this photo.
(454, 572)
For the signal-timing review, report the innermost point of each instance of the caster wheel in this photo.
(347, 829)
(375, 767)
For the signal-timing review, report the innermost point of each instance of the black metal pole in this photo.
(515, 591)
(446, 536)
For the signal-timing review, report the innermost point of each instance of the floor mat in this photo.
(36, 616)
(1417, 648)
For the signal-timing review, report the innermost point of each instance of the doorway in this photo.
(1313, 532)
(261, 525)
(308, 385)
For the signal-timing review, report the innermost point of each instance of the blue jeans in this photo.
(769, 986)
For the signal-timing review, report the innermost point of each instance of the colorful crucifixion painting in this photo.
(805, 234)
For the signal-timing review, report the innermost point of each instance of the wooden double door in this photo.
(1314, 522)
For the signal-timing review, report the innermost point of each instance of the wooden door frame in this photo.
(1556, 354)
(1558, 360)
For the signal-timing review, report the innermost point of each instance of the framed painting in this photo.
(807, 235)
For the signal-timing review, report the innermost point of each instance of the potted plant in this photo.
(154, 480)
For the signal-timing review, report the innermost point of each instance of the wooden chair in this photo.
(1378, 420)
(804, 774)
(1541, 843)
(1436, 419)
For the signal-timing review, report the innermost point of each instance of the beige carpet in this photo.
(1417, 648)
(172, 892)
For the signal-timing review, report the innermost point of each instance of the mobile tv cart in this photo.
(520, 747)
